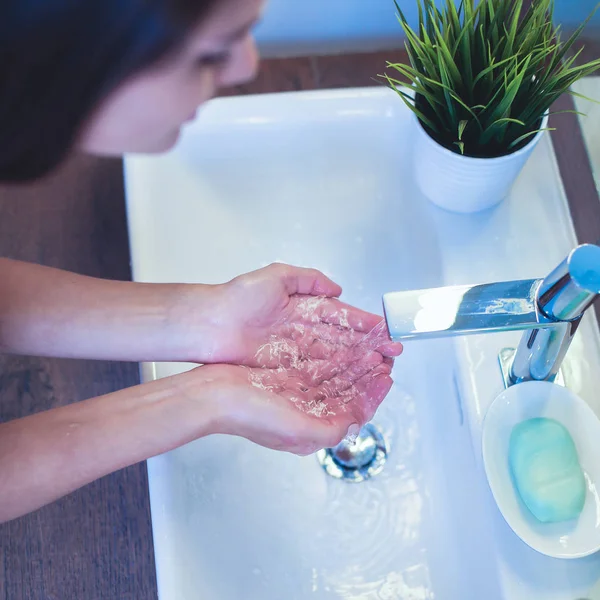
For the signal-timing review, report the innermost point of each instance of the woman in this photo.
(285, 363)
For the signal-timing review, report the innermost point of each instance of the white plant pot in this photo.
(464, 184)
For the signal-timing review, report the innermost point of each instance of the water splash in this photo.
(377, 337)
(287, 366)
(308, 308)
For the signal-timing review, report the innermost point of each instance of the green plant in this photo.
(483, 76)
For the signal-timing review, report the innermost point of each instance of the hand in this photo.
(283, 314)
(294, 410)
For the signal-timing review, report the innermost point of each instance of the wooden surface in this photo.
(576, 171)
(320, 72)
(575, 167)
(96, 544)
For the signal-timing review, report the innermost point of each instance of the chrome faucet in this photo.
(549, 310)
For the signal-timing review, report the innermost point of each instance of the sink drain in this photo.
(358, 461)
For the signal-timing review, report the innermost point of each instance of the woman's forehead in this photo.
(227, 22)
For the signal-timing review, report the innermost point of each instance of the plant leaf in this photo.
(448, 60)
(578, 95)
(572, 112)
(410, 102)
(508, 120)
(529, 134)
(489, 62)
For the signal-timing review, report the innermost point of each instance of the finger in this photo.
(335, 312)
(307, 355)
(299, 386)
(294, 361)
(340, 384)
(306, 403)
(320, 350)
(319, 340)
(310, 282)
(372, 390)
(323, 391)
(309, 375)
(379, 339)
(320, 429)
(323, 341)
(278, 352)
(391, 349)
(324, 433)
(383, 369)
(356, 399)
(328, 430)
(335, 433)
(318, 371)
(295, 342)
(314, 372)
(311, 309)
(290, 339)
(334, 336)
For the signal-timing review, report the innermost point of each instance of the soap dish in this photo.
(572, 539)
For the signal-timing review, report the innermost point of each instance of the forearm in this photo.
(50, 454)
(48, 312)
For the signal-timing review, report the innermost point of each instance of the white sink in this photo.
(324, 179)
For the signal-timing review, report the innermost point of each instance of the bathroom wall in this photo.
(295, 27)
(571, 13)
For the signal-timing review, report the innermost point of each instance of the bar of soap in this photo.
(546, 471)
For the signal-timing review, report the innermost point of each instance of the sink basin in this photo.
(325, 179)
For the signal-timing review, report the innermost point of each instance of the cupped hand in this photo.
(280, 315)
(299, 410)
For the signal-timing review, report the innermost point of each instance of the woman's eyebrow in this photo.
(238, 33)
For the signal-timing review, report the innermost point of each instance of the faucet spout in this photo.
(548, 311)
(463, 310)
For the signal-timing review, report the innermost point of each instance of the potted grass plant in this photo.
(481, 80)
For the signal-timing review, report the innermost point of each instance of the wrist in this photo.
(193, 321)
(202, 389)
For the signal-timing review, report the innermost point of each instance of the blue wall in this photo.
(306, 26)
(571, 13)
(296, 26)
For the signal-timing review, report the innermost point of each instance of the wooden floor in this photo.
(96, 543)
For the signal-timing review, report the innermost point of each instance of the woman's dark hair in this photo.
(59, 58)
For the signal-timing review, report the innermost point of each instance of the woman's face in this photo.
(146, 113)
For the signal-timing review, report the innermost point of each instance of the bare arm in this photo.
(48, 312)
(50, 454)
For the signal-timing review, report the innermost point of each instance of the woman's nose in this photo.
(243, 64)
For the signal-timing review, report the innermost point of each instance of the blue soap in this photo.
(546, 471)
